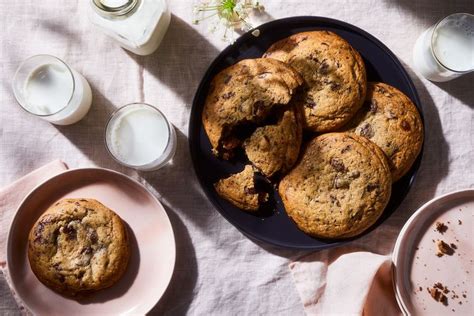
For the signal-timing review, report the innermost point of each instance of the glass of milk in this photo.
(139, 136)
(137, 25)
(446, 50)
(48, 88)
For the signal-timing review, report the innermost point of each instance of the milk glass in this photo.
(446, 50)
(48, 88)
(139, 136)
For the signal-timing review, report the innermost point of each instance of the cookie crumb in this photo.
(438, 292)
(441, 227)
(444, 249)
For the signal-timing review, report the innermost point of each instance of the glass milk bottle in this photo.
(137, 25)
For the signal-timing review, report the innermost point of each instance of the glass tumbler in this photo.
(47, 87)
(446, 50)
(139, 136)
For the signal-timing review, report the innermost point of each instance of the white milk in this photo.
(48, 89)
(140, 31)
(446, 51)
(453, 44)
(139, 136)
(51, 92)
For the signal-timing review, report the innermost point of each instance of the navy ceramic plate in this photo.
(276, 227)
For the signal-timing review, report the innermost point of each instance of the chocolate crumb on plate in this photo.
(441, 227)
(444, 249)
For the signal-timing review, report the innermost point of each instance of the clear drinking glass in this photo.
(139, 136)
(446, 50)
(47, 87)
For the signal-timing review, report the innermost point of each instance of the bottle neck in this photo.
(115, 8)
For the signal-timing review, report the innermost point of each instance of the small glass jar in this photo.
(48, 88)
(446, 50)
(137, 25)
(139, 136)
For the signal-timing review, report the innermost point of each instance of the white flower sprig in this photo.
(232, 15)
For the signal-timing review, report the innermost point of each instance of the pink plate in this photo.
(151, 236)
(417, 267)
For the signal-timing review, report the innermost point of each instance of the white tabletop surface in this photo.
(218, 271)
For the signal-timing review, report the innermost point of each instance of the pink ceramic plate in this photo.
(151, 236)
(419, 269)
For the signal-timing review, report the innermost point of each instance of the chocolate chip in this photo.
(309, 103)
(93, 237)
(60, 277)
(335, 86)
(346, 149)
(405, 125)
(371, 186)
(367, 131)
(373, 107)
(227, 79)
(324, 68)
(70, 232)
(337, 164)
(228, 95)
(325, 44)
(250, 190)
(334, 200)
(86, 250)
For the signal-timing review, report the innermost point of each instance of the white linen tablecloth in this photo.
(218, 270)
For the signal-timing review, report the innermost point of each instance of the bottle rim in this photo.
(123, 9)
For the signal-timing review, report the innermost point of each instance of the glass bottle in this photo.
(137, 25)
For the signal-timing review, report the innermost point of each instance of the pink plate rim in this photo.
(396, 279)
(116, 173)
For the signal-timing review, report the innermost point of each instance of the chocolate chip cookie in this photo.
(339, 188)
(273, 149)
(78, 246)
(391, 120)
(239, 189)
(242, 94)
(334, 75)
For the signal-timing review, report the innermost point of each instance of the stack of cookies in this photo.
(362, 136)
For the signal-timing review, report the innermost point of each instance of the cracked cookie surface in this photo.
(78, 246)
(390, 120)
(245, 93)
(334, 75)
(339, 188)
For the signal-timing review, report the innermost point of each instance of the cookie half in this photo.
(390, 120)
(245, 94)
(274, 149)
(239, 189)
(339, 188)
(334, 75)
(78, 246)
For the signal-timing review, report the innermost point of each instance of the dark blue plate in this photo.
(276, 227)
